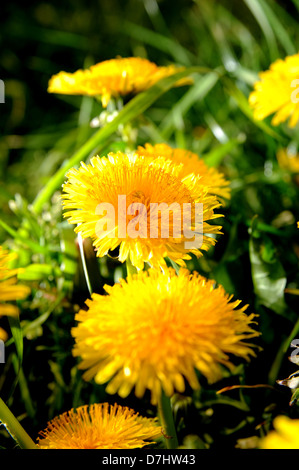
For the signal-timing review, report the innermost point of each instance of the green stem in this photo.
(14, 428)
(167, 422)
(130, 268)
(83, 259)
(55, 182)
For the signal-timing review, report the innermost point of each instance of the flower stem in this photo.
(167, 422)
(130, 268)
(14, 428)
(83, 260)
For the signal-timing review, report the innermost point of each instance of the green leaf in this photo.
(16, 331)
(216, 155)
(280, 31)
(197, 92)
(37, 272)
(295, 397)
(35, 247)
(159, 41)
(40, 320)
(262, 19)
(268, 276)
(24, 390)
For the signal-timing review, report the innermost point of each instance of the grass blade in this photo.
(198, 91)
(262, 19)
(160, 42)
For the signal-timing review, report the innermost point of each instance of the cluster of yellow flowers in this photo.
(157, 330)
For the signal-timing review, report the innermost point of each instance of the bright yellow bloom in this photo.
(288, 161)
(276, 92)
(284, 436)
(156, 329)
(9, 289)
(112, 78)
(209, 177)
(146, 181)
(99, 426)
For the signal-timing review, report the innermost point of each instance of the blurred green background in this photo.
(255, 259)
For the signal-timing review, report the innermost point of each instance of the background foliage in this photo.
(257, 257)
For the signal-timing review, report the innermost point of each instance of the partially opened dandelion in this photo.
(190, 163)
(113, 78)
(157, 330)
(99, 426)
(277, 92)
(137, 226)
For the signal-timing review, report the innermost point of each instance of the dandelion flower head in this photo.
(157, 330)
(276, 92)
(113, 78)
(145, 183)
(99, 426)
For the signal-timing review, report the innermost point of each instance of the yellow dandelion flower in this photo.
(276, 92)
(210, 177)
(99, 426)
(284, 436)
(154, 330)
(129, 182)
(113, 78)
(288, 161)
(9, 289)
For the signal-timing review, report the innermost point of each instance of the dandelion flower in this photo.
(210, 177)
(147, 183)
(99, 426)
(156, 329)
(276, 92)
(284, 436)
(113, 78)
(9, 289)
